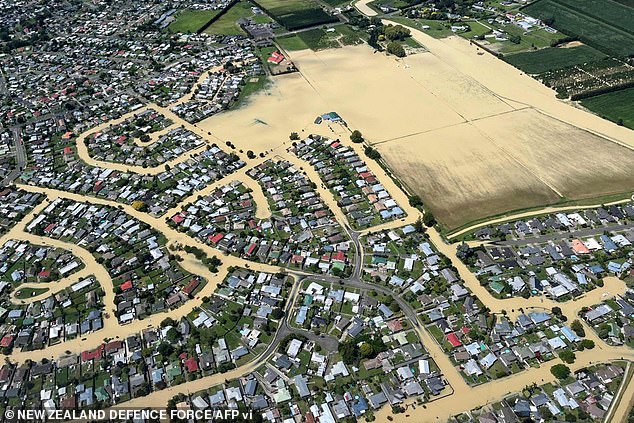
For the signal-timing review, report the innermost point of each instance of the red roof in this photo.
(251, 249)
(49, 228)
(91, 355)
(178, 218)
(126, 285)
(216, 238)
(335, 144)
(68, 150)
(297, 259)
(339, 256)
(121, 139)
(395, 325)
(114, 346)
(191, 286)
(453, 340)
(6, 341)
(191, 364)
(44, 274)
(579, 247)
(276, 58)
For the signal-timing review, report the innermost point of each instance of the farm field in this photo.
(335, 3)
(507, 162)
(552, 58)
(614, 106)
(463, 129)
(227, 24)
(462, 176)
(191, 20)
(296, 14)
(318, 39)
(603, 24)
(582, 80)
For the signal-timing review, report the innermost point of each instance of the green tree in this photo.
(396, 49)
(294, 136)
(277, 313)
(415, 201)
(365, 350)
(396, 32)
(567, 356)
(587, 344)
(418, 225)
(372, 153)
(356, 136)
(168, 321)
(577, 327)
(428, 219)
(560, 371)
(173, 336)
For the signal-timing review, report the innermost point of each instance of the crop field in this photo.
(509, 163)
(581, 79)
(603, 24)
(552, 58)
(190, 20)
(335, 3)
(296, 14)
(617, 106)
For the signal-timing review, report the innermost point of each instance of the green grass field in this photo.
(551, 58)
(227, 24)
(398, 4)
(190, 20)
(603, 24)
(437, 29)
(25, 293)
(292, 43)
(614, 106)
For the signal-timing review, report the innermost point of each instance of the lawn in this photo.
(551, 58)
(437, 29)
(292, 43)
(190, 20)
(529, 40)
(252, 86)
(29, 292)
(227, 24)
(398, 4)
(614, 106)
(603, 24)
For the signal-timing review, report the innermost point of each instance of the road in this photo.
(20, 157)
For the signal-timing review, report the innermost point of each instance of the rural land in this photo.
(322, 211)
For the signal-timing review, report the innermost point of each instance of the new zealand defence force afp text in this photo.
(123, 414)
